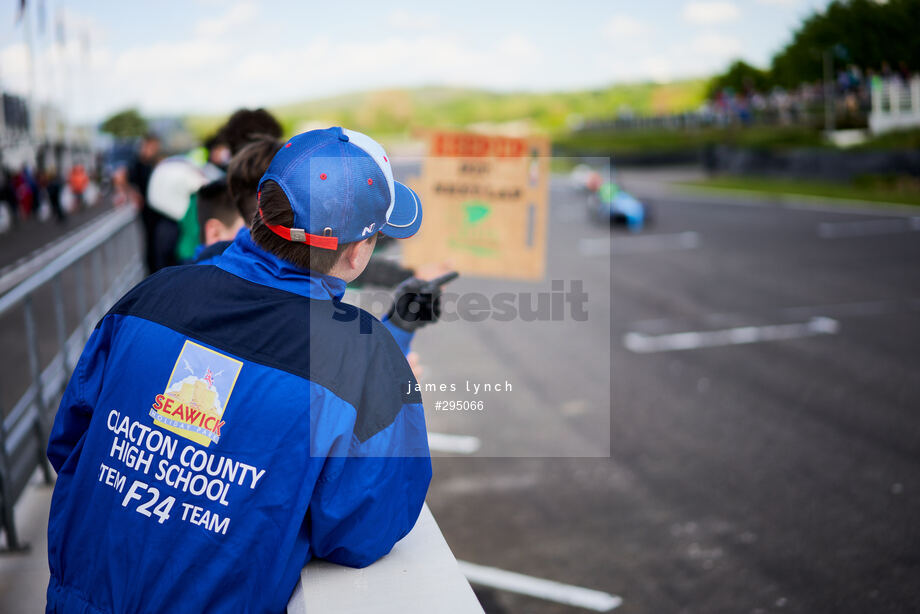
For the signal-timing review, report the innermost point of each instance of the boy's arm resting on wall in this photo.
(369, 496)
(76, 409)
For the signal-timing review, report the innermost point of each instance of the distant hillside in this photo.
(397, 112)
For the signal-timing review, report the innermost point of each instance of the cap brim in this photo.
(406, 218)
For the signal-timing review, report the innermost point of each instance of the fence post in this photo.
(876, 99)
(7, 515)
(894, 97)
(36, 371)
(61, 323)
(915, 95)
(80, 281)
(98, 283)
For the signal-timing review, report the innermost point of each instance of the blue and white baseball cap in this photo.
(341, 189)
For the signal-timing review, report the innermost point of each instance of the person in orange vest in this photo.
(78, 182)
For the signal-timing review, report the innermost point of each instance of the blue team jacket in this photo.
(224, 425)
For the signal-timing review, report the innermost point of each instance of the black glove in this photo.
(417, 302)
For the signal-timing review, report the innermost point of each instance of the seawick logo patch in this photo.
(198, 390)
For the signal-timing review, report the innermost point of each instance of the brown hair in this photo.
(246, 124)
(213, 201)
(246, 169)
(276, 210)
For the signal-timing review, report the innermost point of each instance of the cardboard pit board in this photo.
(485, 205)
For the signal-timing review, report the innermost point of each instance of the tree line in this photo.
(870, 34)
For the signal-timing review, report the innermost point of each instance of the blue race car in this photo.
(613, 204)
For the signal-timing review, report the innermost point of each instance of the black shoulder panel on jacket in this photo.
(333, 344)
(213, 250)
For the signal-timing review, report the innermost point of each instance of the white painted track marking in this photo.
(536, 587)
(457, 444)
(469, 485)
(642, 244)
(645, 344)
(865, 228)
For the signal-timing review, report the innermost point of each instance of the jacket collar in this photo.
(205, 252)
(247, 260)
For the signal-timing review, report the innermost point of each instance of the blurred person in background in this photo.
(52, 185)
(241, 128)
(139, 176)
(219, 220)
(173, 183)
(212, 157)
(218, 152)
(7, 201)
(246, 125)
(26, 191)
(78, 182)
(123, 193)
(246, 169)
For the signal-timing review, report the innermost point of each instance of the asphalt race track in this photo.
(732, 429)
(773, 464)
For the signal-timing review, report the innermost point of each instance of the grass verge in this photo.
(639, 141)
(906, 192)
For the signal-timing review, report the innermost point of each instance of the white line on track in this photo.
(839, 230)
(468, 485)
(605, 246)
(645, 344)
(537, 587)
(457, 444)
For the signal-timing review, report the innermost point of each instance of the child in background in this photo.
(218, 220)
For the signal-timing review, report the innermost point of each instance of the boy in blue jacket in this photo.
(226, 423)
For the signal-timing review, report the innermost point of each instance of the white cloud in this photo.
(620, 26)
(329, 65)
(191, 74)
(779, 2)
(708, 13)
(239, 14)
(717, 45)
(211, 65)
(14, 59)
(518, 46)
(404, 20)
(169, 58)
(659, 68)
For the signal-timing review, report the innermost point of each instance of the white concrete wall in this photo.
(420, 575)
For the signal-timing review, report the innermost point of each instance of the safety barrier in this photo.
(111, 244)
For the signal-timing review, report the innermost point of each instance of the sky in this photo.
(211, 56)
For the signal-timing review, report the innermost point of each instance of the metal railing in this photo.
(110, 247)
